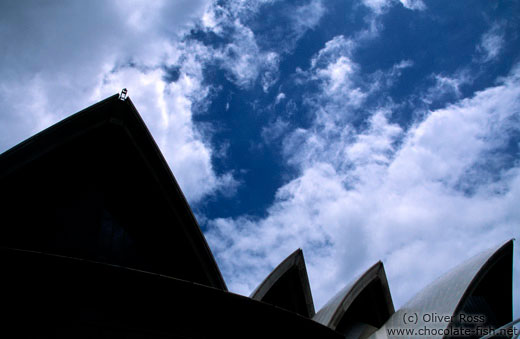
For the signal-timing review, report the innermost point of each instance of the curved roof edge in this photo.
(198, 240)
(336, 308)
(115, 112)
(294, 269)
(503, 254)
(448, 295)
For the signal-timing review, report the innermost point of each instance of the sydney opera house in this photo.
(98, 241)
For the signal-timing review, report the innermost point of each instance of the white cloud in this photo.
(307, 16)
(274, 130)
(491, 43)
(241, 57)
(68, 56)
(403, 64)
(418, 5)
(334, 48)
(270, 75)
(384, 194)
(336, 73)
(342, 92)
(379, 6)
(279, 98)
(446, 86)
(337, 81)
(342, 86)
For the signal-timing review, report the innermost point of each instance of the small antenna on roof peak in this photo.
(123, 94)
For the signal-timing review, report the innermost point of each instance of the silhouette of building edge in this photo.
(98, 241)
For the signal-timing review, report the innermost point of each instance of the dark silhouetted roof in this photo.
(287, 286)
(50, 296)
(96, 186)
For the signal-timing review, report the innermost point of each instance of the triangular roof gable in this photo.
(372, 285)
(287, 286)
(96, 185)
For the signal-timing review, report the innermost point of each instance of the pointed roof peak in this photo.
(346, 309)
(287, 286)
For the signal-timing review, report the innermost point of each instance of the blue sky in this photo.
(356, 130)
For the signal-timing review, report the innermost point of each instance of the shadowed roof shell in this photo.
(481, 285)
(96, 186)
(287, 286)
(365, 302)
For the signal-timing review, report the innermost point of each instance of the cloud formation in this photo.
(379, 6)
(491, 43)
(242, 54)
(63, 57)
(364, 185)
(385, 193)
